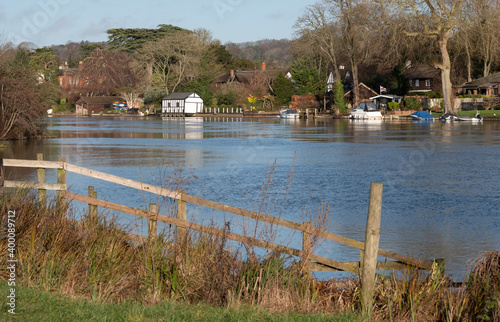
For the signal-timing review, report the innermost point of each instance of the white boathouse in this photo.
(184, 103)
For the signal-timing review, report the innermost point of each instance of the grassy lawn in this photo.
(32, 305)
(488, 113)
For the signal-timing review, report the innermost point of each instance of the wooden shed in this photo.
(185, 103)
(95, 104)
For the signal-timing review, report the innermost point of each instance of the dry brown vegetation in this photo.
(95, 261)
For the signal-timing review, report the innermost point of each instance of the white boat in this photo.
(476, 118)
(366, 111)
(50, 111)
(289, 114)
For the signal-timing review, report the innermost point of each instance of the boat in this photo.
(50, 111)
(476, 118)
(289, 114)
(422, 116)
(366, 111)
(448, 117)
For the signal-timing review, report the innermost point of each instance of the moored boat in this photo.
(422, 116)
(289, 114)
(366, 111)
(476, 118)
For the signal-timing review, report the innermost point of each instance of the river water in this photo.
(441, 180)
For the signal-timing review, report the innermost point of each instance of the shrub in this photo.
(413, 103)
(393, 106)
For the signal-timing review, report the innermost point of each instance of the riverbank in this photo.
(94, 261)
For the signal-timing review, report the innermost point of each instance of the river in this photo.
(441, 180)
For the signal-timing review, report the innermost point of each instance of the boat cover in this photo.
(423, 115)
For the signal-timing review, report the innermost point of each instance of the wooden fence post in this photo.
(152, 224)
(181, 215)
(61, 179)
(307, 246)
(371, 247)
(92, 208)
(40, 173)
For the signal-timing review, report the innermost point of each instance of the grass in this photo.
(102, 275)
(484, 113)
(35, 305)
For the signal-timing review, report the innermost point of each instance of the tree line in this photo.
(371, 39)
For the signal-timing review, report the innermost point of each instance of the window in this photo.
(411, 84)
(428, 82)
(417, 82)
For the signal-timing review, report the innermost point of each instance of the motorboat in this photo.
(476, 118)
(289, 114)
(422, 116)
(366, 111)
(448, 117)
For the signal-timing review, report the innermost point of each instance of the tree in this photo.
(436, 19)
(22, 106)
(105, 71)
(306, 77)
(338, 92)
(317, 24)
(45, 63)
(282, 89)
(174, 59)
(131, 40)
(484, 15)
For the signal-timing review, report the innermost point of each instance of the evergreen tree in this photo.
(338, 92)
(282, 89)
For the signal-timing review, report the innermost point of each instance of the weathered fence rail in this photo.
(369, 249)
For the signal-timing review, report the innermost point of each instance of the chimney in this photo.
(80, 66)
(263, 66)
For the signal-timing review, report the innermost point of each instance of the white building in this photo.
(182, 103)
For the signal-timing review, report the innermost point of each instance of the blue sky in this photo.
(49, 22)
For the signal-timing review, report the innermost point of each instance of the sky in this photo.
(56, 22)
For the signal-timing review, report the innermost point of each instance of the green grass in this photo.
(484, 113)
(32, 305)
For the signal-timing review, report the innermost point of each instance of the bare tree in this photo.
(436, 19)
(104, 72)
(344, 27)
(484, 16)
(132, 98)
(21, 105)
(173, 59)
(318, 24)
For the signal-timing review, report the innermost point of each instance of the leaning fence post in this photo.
(307, 246)
(61, 179)
(371, 247)
(181, 215)
(92, 208)
(40, 173)
(152, 224)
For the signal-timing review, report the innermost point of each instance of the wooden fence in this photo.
(369, 249)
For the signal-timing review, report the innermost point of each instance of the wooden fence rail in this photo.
(314, 261)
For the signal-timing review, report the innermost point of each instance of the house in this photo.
(182, 103)
(95, 104)
(247, 77)
(423, 78)
(382, 100)
(365, 93)
(488, 85)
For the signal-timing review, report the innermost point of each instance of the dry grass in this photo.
(95, 261)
